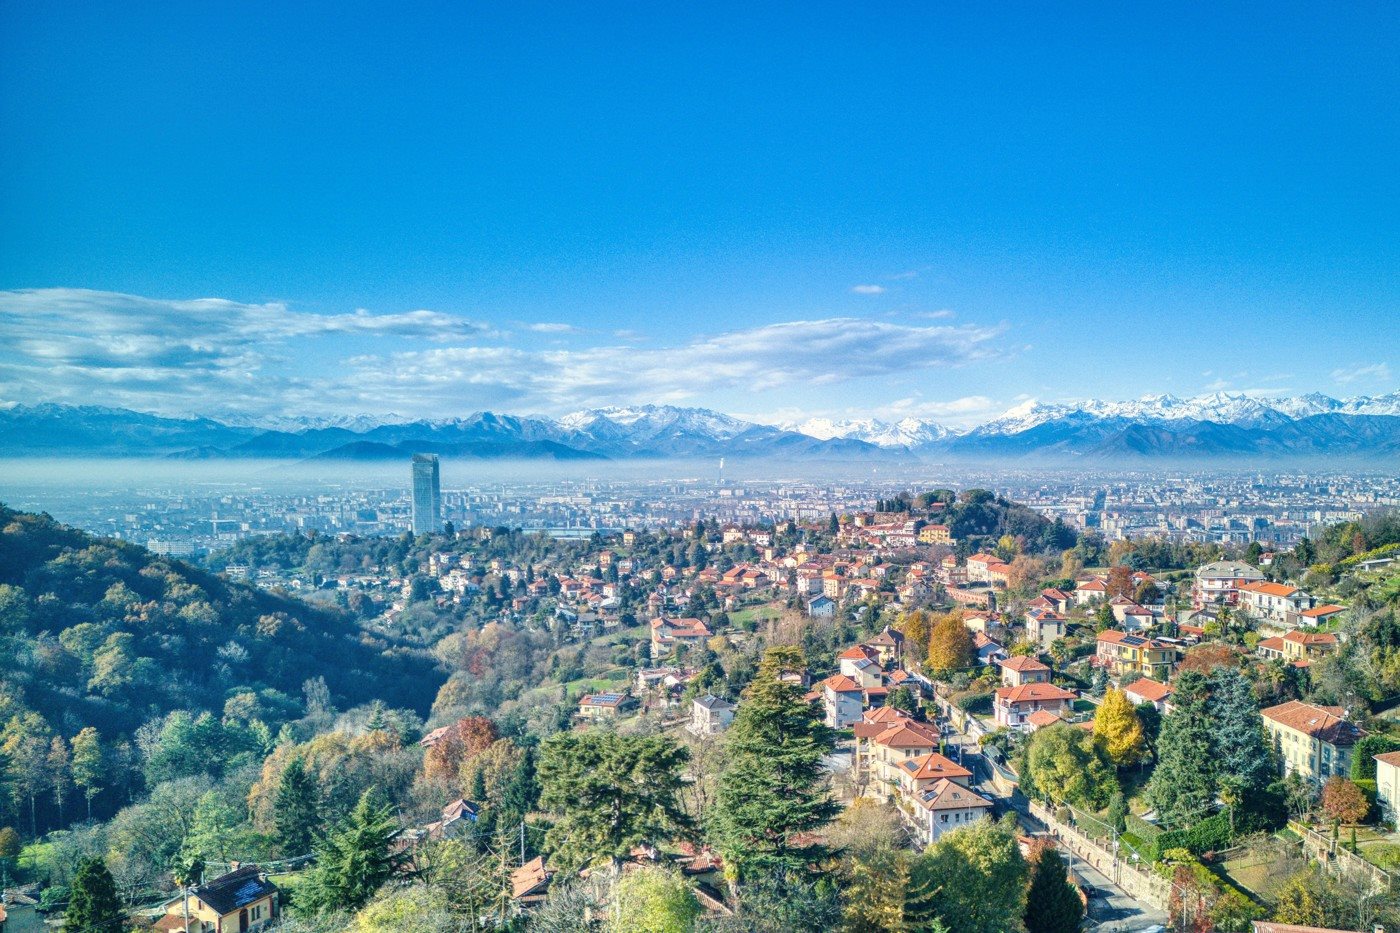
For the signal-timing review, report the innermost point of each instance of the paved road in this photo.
(1110, 909)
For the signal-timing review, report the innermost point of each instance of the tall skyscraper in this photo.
(427, 495)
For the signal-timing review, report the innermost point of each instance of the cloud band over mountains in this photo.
(222, 357)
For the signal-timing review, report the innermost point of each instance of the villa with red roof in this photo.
(1024, 670)
(1013, 706)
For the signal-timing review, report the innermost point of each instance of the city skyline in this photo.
(502, 211)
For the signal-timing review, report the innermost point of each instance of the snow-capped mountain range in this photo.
(1219, 425)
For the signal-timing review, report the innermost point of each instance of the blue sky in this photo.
(796, 209)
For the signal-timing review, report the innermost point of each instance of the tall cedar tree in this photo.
(950, 645)
(1237, 730)
(1183, 786)
(93, 906)
(354, 860)
(613, 792)
(296, 810)
(1116, 725)
(772, 789)
(1052, 903)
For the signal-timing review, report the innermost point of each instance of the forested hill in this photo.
(979, 518)
(98, 632)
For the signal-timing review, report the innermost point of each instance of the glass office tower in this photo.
(427, 495)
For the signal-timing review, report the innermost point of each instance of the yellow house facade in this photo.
(241, 901)
(1314, 742)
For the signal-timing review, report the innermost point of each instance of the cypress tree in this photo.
(93, 906)
(772, 789)
(1052, 904)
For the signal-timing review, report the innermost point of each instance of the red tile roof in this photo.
(1027, 693)
(1321, 722)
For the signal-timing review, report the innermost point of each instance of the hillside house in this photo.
(1147, 690)
(1013, 706)
(842, 699)
(1219, 582)
(1272, 602)
(1024, 670)
(1044, 627)
(1122, 653)
(604, 706)
(946, 806)
(237, 902)
(710, 715)
(1314, 742)
(669, 634)
(1319, 615)
(988, 651)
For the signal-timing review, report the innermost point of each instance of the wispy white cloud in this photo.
(761, 359)
(221, 357)
(1374, 372)
(868, 289)
(554, 327)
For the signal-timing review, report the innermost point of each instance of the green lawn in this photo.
(753, 614)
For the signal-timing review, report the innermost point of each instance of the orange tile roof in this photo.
(1042, 718)
(1271, 644)
(886, 714)
(908, 734)
(1029, 692)
(1321, 722)
(1268, 589)
(1024, 663)
(1390, 758)
(931, 766)
(1150, 690)
(840, 683)
(1318, 612)
(1299, 637)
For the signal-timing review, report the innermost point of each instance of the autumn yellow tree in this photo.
(950, 646)
(916, 627)
(1117, 726)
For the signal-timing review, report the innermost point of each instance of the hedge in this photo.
(1209, 835)
(976, 703)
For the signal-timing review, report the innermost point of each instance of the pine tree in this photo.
(1183, 786)
(1116, 725)
(93, 906)
(354, 861)
(1240, 749)
(772, 788)
(1052, 904)
(296, 812)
